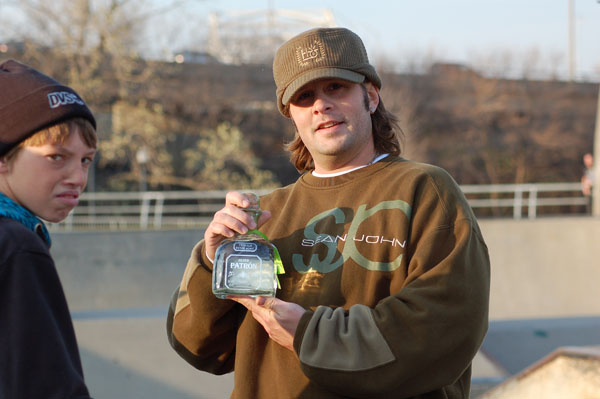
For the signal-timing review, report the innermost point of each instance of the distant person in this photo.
(587, 180)
(386, 285)
(47, 143)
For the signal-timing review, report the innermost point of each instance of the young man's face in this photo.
(48, 179)
(333, 120)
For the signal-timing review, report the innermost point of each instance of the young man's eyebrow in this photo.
(92, 151)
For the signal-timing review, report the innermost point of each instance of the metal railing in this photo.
(195, 209)
(144, 210)
(561, 198)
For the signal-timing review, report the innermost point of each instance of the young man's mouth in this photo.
(69, 197)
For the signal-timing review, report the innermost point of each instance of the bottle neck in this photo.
(254, 213)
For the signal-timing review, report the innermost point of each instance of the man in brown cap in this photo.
(386, 284)
(47, 143)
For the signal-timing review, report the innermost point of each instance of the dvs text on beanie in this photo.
(31, 101)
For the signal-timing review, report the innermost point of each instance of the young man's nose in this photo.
(77, 175)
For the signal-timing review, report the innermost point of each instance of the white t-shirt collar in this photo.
(376, 159)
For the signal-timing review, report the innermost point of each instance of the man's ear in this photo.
(373, 95)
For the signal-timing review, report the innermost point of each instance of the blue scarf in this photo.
(11, 210)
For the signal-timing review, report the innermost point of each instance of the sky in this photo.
(494, 36)
(459, 31)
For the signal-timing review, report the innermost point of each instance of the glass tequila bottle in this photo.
(245, 263)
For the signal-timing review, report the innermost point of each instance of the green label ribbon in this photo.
(277, 258)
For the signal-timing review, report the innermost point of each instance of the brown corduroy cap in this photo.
(31, 101)
(317, 54)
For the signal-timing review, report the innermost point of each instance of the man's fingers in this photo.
(266, 302)
(264, 216)
(255, 304)
(237, 199)
(243, 300)
(233, 218)
(269, 304)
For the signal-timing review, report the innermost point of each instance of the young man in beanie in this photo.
(47, 143)
(386, 284)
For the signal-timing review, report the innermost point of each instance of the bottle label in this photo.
(243, 271)
(241, 246)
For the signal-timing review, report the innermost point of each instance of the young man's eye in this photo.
(87, 160)
(55, 157)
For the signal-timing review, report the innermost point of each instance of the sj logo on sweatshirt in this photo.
(330, 261)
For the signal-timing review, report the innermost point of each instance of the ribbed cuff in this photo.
(212, 261)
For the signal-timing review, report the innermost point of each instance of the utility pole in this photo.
(571, 40)
(596, 185)
(596, 149)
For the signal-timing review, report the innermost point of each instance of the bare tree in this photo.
(531, 63)
(92, 44)
(81, 38)
(223, 159)
(136, 128)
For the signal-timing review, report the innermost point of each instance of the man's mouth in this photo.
(327, 125)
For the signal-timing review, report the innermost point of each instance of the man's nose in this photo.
(321, 103)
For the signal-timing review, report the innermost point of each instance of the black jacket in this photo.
(39, 357)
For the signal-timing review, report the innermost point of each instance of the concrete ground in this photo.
(125, 354)
(128, 356)
(131, 358)
(118, 284)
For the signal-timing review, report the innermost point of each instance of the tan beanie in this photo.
(31, 101)
(316, 54)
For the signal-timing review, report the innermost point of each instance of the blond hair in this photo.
(58, 134)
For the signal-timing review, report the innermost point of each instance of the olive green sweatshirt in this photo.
(393, 272)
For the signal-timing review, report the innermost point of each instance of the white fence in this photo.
(194, 209)
(144, 210)
(527, 198)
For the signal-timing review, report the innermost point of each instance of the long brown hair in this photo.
(387, 137)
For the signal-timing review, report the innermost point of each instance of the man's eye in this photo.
(303, 97)
(87, 160)
(334, 86)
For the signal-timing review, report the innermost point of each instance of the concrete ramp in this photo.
(543, 268)
(118, 285)
(514, 345)
(567, 373)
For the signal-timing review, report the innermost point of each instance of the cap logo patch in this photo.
(58, 98)
(313, 52)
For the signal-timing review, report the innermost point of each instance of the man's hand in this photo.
(279, 318)
(231, 220)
